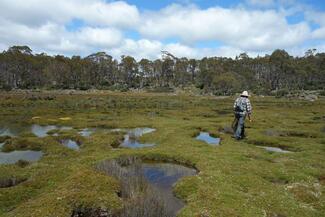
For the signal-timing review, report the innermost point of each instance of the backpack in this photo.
(240, 105)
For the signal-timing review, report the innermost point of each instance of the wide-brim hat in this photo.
(245, 93)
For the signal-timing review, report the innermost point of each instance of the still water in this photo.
(205, 137)
(133, 135)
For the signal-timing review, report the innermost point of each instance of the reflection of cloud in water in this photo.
(116, 130)
(274, 149)
(130, 139)
(137, 132)
(15, 156)
(86, 132)
(155, 179)
(205, 137)
(11, 130)
(66, 128)
(162, 177)
(70, 144)
(6, 132)
(41, 131)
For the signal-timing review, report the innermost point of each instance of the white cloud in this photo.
(41, 24)
(16, 33)
(138, 49)
(93, 12)
(117, 13)
(319, 33)
(102, 37)
(54, 38)
(317, 18)
(238, 27)
(151, 49)
(179, 50)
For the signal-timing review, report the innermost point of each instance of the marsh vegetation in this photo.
(104, 178)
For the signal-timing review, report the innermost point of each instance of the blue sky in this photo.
(142, 28)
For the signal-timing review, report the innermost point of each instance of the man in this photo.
(242, 108)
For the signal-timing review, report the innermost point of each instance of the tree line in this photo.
(21, 69)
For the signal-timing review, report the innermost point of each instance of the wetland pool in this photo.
(133, 135)
(274, 149)
(148, 185)
(207, 138)
(15, 156)
(71, 144)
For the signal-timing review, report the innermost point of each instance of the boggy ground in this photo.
(234, 179)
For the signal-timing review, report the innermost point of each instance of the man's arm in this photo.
(249, 117)
(249, 110)
(235, 104)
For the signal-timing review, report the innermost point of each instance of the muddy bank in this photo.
(10, 182)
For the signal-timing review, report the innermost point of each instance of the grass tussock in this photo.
(117, 142)
(22, 163)
(27, 143)
(306, 193)
(4, 138)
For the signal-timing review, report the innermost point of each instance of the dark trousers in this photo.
(239, 126)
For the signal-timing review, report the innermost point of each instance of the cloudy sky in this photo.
(143, 28)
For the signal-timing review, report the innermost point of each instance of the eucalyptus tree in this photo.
(129, 71)
(20, 68)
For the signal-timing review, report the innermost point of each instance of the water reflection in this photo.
(6, 132)
(162, 176)
(42, 131)
(147, 186)
(205, 137)
(70, 144)
(15, 156)
(137, 132)
(132, 136)
(274, 149)
(11, 130)
(86, 132)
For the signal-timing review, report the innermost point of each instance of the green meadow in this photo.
(236, 178)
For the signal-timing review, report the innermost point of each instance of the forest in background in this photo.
(21, 69)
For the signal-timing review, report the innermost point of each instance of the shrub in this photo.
(22, 163)
(161, 90)
(281, 93)
(118, 87)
